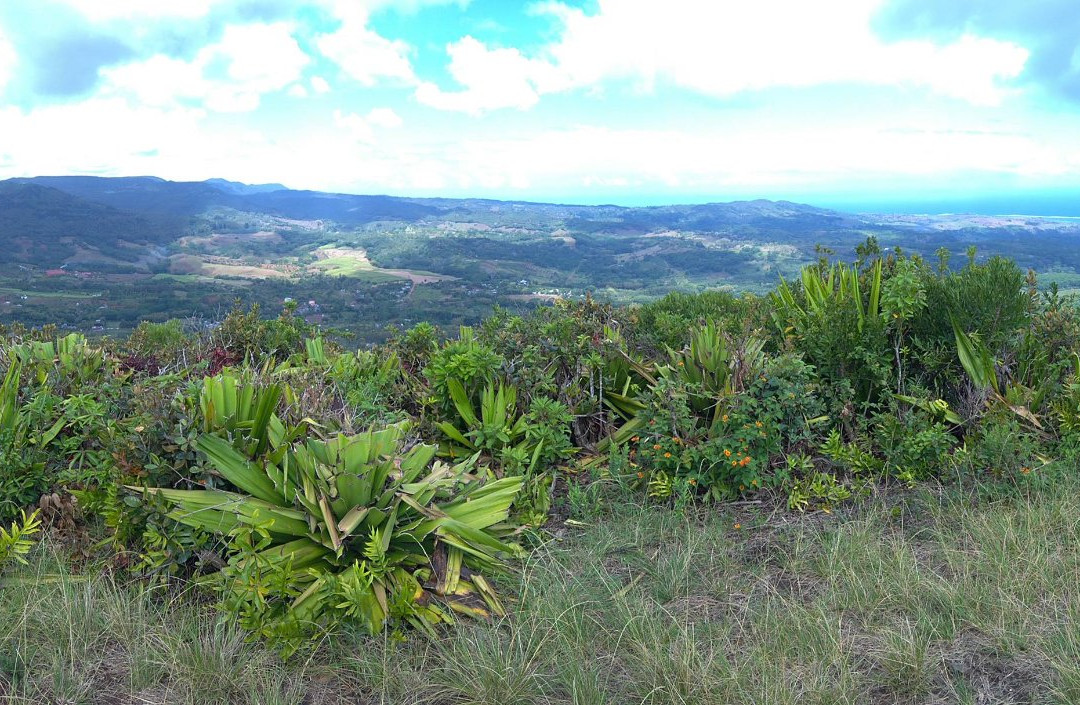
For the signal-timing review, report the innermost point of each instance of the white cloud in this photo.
(758, 156)
(384, 117)
(229, 76)
(363, 54)
(8, 59)
(297, 90)
(319, 84)
(493, 78)
(721, 48)
(98, 136)
(362, 128)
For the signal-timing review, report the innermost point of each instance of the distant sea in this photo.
(1058, 204)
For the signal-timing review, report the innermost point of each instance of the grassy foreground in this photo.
(927, 596)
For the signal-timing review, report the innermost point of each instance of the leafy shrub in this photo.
(834, 321)
(16, 542)
(913, 445)
(721, 458)
(988, 297)
(1004, 457)
(668, 322)
(369, 385)
(466, 360)
(350, 529)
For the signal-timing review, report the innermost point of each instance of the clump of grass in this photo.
(945, 600)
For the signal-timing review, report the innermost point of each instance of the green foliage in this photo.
(466, 360)
(16, 542)
(817, 490)
(834, 321)
(348, 529)
(265, 485)
(516, 443)
(668, 322)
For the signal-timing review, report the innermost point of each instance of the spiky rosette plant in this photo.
(343, 529)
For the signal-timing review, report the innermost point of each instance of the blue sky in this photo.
(838, 102)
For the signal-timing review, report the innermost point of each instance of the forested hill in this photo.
(154, 195)
(42, 226)
(104, 253)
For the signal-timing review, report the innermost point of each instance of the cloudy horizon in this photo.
(844, 102)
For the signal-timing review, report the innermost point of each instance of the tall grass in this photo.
(925, 598)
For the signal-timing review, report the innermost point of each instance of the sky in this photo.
(849, 103)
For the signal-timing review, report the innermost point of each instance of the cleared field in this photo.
(350, 262)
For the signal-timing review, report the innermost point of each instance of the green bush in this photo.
(352, 529)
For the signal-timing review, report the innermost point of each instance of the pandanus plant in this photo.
(347, 528)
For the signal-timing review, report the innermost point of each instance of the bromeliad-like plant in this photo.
(497, 431)
(713, 369)
(346, 529)
(979, 363)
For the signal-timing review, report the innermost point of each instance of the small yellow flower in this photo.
(693, 481)
(758, 424)
(738, 525)
(742, 488)
(680, 363)
(724, 418)
(667, 455)
(676, 440)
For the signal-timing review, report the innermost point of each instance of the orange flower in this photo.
(734, 463)
(640, 475)
(676, 440)
(742, 488)
(727, 453)
(1025, 470)
(667, 455)
(656, 446)
(724, 418)
(635, 439)
(758, 424)
(738, 525)
(693, 481)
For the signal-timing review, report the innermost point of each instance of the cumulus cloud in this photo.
(722, 48)
(1049, 28)
(319, 84)
(493, 78)
(363, 54)
(229, 76)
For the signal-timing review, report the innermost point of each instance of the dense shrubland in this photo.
(309, 487)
